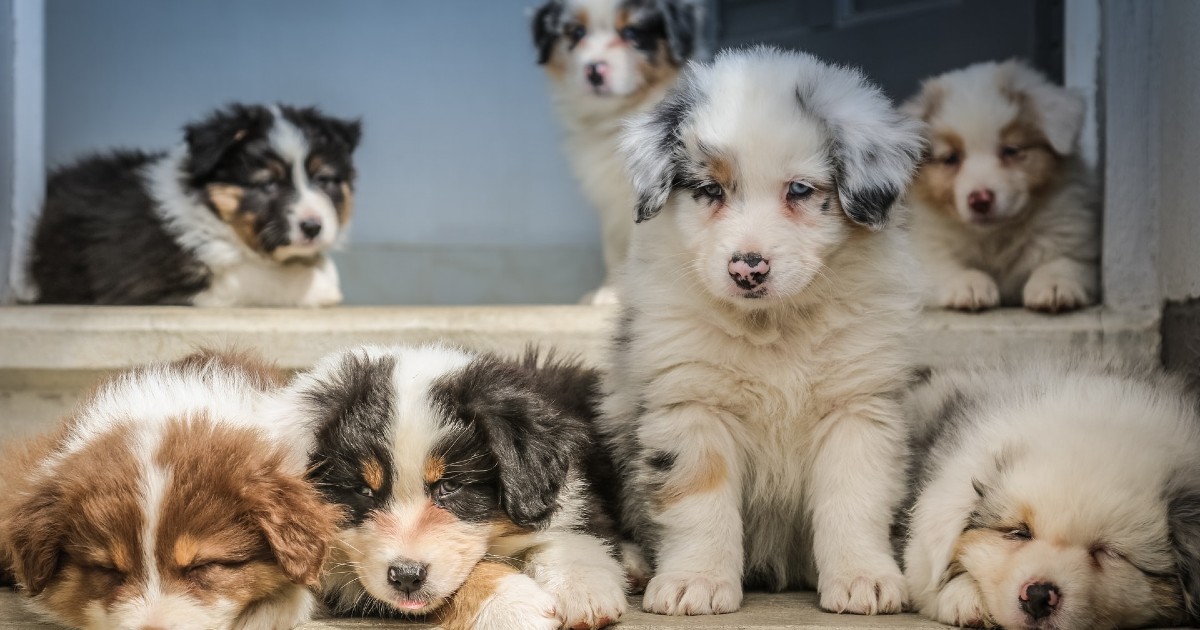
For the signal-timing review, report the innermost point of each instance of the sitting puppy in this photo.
(450, 464)
(241, 215)
(1003, 212)
(607, 59)
(161, 502)
(1055, 494)
(753, 395)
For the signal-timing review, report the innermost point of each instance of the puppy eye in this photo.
(575, 32)
(712, 191)
(1010, 151)
(799, 190)
(951, 159)
(1101, 553)
(445, 488)
(630, 34)
(328, 180)
(366, 491)
(269, 187)
(1021, 533)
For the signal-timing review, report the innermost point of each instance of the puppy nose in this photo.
(310, 228)
(407, 576)
(596, 73)
(1039, 599)
(981, 201)
(748, 270)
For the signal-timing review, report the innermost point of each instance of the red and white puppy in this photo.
(161, 503)
(1002, 207)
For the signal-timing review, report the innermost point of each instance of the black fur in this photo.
(547, 29)
(667, 120)
(100, 238)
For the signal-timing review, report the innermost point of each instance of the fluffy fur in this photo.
(1058, 494)
(607, 59)
(450, 463)
(753, 400)
(162, 502)
(242, 214)
(1003, 209)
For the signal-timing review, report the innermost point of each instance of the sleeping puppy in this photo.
(452, 464)
(1055, 494)
(162, 502)
(243, 213)
(753, 396)
(607, 59)
(1003, 209)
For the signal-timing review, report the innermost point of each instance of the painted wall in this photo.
(7, 151)
(1179, 68)
(464, 196)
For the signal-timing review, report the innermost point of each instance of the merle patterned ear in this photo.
(1183, 520)
(210, 139)
(546, 28)
(683, 22)
(652, 146)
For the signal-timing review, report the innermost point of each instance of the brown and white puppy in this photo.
(607, 59)
(1003, 209)
(451, 464)
(1055, 494)
(161, 502)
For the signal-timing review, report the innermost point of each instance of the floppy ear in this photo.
(297, 524)
(34, 545)
(348, 132)
(210, 139)
(1059, 110)
(546, 29)
(875, 148)
(1183, 519)
(652, 145)
(683, 22)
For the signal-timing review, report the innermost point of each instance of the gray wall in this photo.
(1178, 63)
(464, 196)
(7, 152)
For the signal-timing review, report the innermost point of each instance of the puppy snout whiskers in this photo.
(407, 576)
(1039, 599)
(748, 270)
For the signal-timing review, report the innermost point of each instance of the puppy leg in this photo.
(958, 603)
(290, 607)
(498, 597)
(965, 290)
(857, 483)
(695, 506)
(323, 287)
(581, 573)
(637, 569)
(1061, 285)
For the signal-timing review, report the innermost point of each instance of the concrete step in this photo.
(48, 354)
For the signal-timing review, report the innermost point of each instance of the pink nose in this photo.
(981, 201)
(596, 72)
(748, 270)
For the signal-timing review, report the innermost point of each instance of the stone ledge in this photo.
(793, 611)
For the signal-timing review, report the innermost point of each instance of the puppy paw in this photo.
(1052, 293)
(589, 601)
(683, 593)
(322, 294)
(959, 604)
(637, 570)
(518, 603)
(970, 290)
(864, 592)
(606, 294)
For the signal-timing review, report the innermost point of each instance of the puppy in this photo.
(607, 59)
(1003, 209)
(753, 397)
(242, 214)
(161, 502)
(1055, 494)
(451, 465)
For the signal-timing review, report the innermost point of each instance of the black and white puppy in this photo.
(241, 214)
(757, 369)
(607, 59)
(450, 463)
(1055, 494)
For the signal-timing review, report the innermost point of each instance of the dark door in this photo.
(899, 42)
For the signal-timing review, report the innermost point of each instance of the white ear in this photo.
(1059, 110)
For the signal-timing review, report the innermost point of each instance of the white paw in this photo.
(590, 602)
(683, 593)
(970, 290)
(1053, 293)
(637, 570)
(959, 604)
(322, 292)
(606, 294)
(864, 592)
(518, 603)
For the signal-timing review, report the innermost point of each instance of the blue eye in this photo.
(799, 190)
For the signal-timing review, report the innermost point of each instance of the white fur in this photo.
(1041, 252)
(518, 603)
(1089, 449)
(790, 397)
(240, 275)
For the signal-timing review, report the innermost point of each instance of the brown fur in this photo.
(460, 612)
(226, 199)
(372, 474)
(434, 468)
(710, 473)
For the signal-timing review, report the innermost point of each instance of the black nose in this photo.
(594, 76)
(1039, 600)
(407, 576)
(310, 228)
